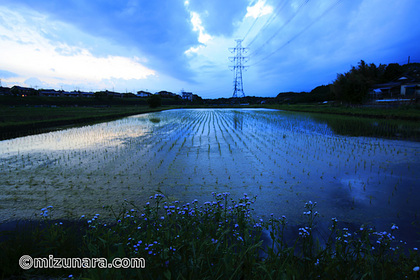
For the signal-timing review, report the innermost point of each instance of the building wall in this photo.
(410, 89)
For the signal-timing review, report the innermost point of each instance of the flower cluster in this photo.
(157, 196)
(310, 204)
(45, 211)
(384, 237)
(259, 224)
(93, 219)
(394, 227)
(334, 221)
(310, 213)
(304, 232)
(345, 235)
(226, 216)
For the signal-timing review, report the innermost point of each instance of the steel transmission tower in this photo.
(238, 61)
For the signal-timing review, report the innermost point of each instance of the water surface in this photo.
(284, 158)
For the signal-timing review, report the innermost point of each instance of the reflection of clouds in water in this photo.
(95, 136)
(356, 189)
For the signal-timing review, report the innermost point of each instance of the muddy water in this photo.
(286, 159)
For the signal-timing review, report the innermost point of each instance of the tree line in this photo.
(354, 86)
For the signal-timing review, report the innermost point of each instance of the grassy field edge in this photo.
(409, 113)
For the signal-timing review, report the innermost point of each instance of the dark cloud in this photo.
(304, 48)
(304, 45)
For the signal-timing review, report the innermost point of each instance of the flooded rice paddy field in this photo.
(284, 158)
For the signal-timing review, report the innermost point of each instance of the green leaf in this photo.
(167, 274)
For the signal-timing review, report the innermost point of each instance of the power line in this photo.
(300, 33)
(268, 21)
(252, 25)
(249, 30)
(281, 28)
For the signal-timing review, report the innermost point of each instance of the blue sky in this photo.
(171, 45)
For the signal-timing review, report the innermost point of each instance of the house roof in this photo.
(405, 78)
(23, 88)
(387, 85)
(47, 90)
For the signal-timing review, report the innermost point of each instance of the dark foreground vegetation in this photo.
(219, 239)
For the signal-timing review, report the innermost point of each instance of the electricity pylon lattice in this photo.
(238, 61)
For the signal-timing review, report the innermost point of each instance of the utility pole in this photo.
(238, 60)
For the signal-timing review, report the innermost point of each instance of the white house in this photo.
(409, 86)
(403, 86)
(143, 93)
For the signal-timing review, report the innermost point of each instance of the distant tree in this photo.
(154, 101)
(353, 86)
(100, 94)
(392, 72)
(166, 94)
(197, 100)
(322, 93)
(412, 69)
(129, 95)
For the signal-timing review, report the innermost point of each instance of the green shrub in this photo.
(154, 101)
